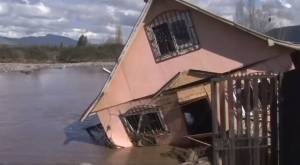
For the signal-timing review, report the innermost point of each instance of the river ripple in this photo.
(37, 112)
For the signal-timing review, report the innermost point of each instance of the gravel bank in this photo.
(27, 68)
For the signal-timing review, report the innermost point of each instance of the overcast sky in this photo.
(98, 18)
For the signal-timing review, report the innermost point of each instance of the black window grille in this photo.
(144, 120)
(180, 32)
(164, 39)
(172, 34)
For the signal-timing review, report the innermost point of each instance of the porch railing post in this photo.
(214, 122)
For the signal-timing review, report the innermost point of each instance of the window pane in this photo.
(174, 36)
(133, 120)
(151, 123)
(180, 32)
(164, 39)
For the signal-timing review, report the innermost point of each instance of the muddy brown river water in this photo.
(38, 118)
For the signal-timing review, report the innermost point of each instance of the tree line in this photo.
(82, 52)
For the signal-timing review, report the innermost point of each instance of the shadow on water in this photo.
(89, 131)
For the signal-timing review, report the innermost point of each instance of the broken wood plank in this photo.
(214, 122)
(223, 122)
(203, 135)
(198, 141)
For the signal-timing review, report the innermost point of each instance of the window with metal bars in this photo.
(164, 39)
(144, 120)
(172, 34)
(180, 32)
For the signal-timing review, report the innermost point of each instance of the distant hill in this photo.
(48, 40)
(289, 33)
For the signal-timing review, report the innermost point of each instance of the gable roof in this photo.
(271, 42)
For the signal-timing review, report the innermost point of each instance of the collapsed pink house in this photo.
(163, 72)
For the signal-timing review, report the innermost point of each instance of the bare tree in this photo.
(119, 35)
(117, 38)
(253, 17)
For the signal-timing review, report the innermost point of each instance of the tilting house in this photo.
(159, 90)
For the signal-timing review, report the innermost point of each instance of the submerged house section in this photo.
(144, 122)
(180, 108)
(159, 91)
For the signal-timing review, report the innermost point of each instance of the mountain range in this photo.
(47, 40)
(288, 33)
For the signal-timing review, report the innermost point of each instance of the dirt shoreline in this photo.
(27, 68)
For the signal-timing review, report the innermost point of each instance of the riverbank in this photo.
(27, 68)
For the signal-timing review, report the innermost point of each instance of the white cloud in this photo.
(93, 37)
(3, 9)
(30, 10)
(130, 12)
(42, 8)
(285, 4)
(110, 28)
(98, 18)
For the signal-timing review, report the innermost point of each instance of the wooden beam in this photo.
(214, 122)
(198, 141)
(231, 117)
(223, 122)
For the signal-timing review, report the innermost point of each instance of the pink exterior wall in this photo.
(223, 48)
(112, 124)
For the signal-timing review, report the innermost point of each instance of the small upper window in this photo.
(180, 32)
(164, 39)
(172, 34)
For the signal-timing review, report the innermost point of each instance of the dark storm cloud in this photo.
(95, 18)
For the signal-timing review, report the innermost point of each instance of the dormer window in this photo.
(172, 34)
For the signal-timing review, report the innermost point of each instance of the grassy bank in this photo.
(45, 54)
